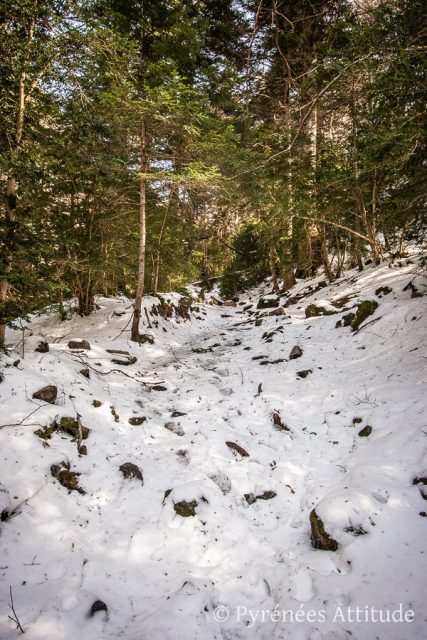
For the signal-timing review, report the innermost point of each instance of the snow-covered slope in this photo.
(243, 565)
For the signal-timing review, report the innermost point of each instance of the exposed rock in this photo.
(383, 291)
(79, 344)
(185, 509)
(82, 450)
(415, 293)
(365, 432)
(236, 447)
(158, 387)
(97, 403)
(68, 479)
(355, 530)
(304, 373)
(364, 310)
(46, 432)
(144, 338)
(70, 426)
(177, 414)
(314, 310)
(167, 309)
(42, 347)
(258, 322)
(295, 353)
(130, 470)
(320, 539)
(268, 302)
(348, 318)
(98, 605)
(137, 420)
(420, 480)
(47, 394)
(277, 421)
(175, 428)
(357, 420)
(277, 312)
(267, 495)
(124, 363)
(85, 373)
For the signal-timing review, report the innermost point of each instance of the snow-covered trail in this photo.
(243, 565)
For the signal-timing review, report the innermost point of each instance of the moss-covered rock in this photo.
(68, 479)
(364, 310)
(70, 426)
(314, 310)
(46, 432)
(185, 509)
(320, 539)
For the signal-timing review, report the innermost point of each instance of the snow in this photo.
(234, 570)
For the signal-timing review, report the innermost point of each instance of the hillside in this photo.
(208, 540)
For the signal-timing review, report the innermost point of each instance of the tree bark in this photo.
(142, 232)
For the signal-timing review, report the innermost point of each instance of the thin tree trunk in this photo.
(272, 265)
(142, 234)
(157, 259)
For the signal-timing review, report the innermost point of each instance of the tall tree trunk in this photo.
(11, 187)
(6, 259)
(157, 258)
(142, 232)
(272, 266)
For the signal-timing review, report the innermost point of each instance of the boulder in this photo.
(47, 394)
(98, 605)
(314, 310)
(347, 319)
(130, 470)
(364, 310)
(268, 302)
(277, 312)
(295, 353)
(365, 432)
(42, 347)
(124, 363)
(185, 509)
(320, 539)
(70, 426)
(304, 373)
(137, 420)
(79, 344)
(383, 291)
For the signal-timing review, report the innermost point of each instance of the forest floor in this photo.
(215, 541)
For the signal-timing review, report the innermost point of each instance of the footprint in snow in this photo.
(302, 586)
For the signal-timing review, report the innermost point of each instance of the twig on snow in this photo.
(15, 618)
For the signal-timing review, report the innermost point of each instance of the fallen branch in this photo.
(15, 618)
(18, 424)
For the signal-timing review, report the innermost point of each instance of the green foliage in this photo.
(248, 266)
